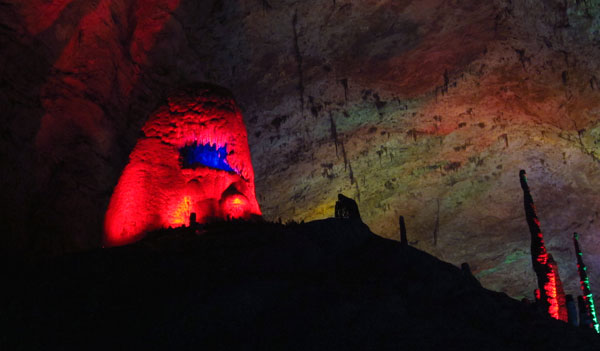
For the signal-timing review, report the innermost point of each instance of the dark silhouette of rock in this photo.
(403, 237)
(466, 270)
(323, 285)
(572, 310)
(585, 320)
(345, 207)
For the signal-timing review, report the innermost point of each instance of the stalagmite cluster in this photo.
(551, 295)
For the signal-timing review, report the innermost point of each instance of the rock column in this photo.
(552, 297)
(572, 309)
(403, 237)
(588, 308)
(345, 207)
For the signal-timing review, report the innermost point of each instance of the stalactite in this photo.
(589, 309)
(546, 270)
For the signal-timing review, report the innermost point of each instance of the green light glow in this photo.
(585, 284)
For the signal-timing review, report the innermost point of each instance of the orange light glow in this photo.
(181, 214)
(550, 288)
(236, 206)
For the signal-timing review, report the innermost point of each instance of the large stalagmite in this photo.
(588, 308)
(552, 295)
(192, 158)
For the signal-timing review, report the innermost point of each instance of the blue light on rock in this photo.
(207, 155)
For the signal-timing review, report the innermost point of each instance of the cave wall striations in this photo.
(426, 109)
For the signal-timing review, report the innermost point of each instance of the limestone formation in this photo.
(585, 319)
(572, 310)
(558, 290)
(587, 308)
(193, 159)
(403, 238)
(552, 295)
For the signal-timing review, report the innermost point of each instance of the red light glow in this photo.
(235, 206)
(555, 293)
(550, 293)
(92, 61)
(157, 191)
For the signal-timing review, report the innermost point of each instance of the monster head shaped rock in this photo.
(192, 158)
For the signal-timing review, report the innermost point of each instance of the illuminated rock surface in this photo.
(552, 296)
(192, 158)
(327, 285)
(588, 308)
(425, 109)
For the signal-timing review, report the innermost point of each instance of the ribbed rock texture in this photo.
(424, 108)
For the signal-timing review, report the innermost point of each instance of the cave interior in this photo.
(300, 174)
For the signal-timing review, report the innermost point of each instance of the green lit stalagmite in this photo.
(585, 285)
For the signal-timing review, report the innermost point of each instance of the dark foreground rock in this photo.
(329, 284)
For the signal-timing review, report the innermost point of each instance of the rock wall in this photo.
(426, 109)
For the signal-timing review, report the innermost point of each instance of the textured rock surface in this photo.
(192, 158)
(422, 108)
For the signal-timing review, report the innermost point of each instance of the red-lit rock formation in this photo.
(552, 295)
(162, 186)
(559, 308)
